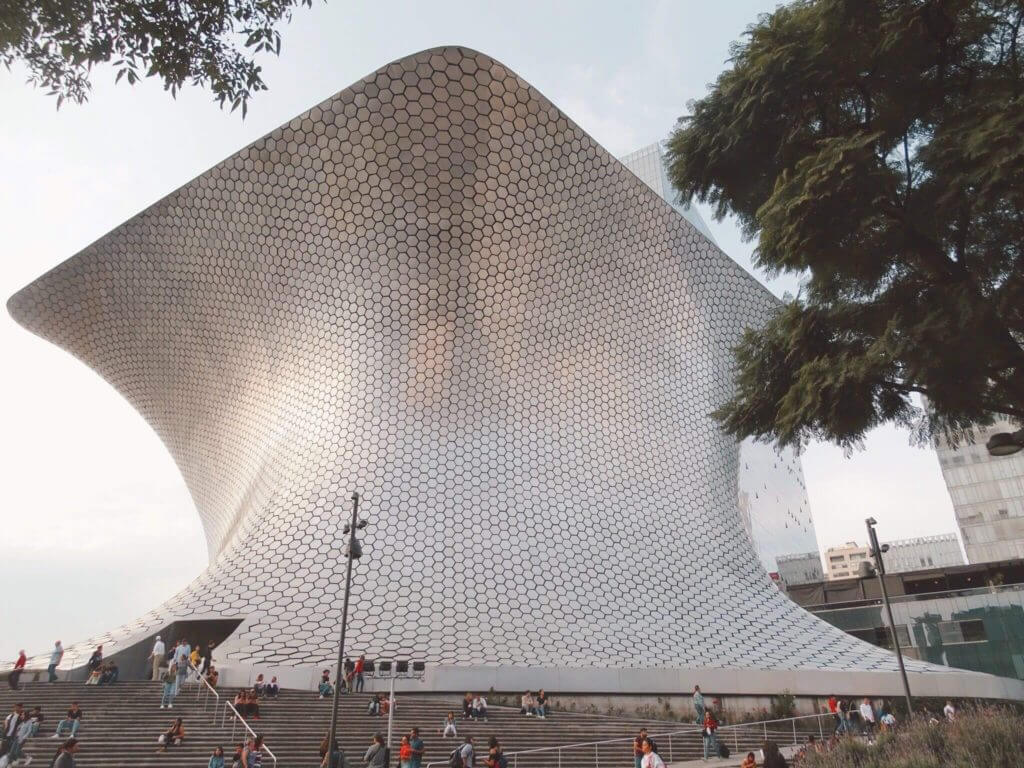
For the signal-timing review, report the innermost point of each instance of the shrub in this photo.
(992, 737)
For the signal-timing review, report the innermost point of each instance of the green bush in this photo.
(979, 738)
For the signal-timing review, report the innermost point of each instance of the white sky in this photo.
(98, 525)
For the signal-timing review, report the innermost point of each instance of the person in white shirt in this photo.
(449, 726)
(159, 650)
(651, 759)
(479, 709)
(867, 715)
(949, 711)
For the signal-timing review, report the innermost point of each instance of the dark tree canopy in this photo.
(210, 43)
(875, 147)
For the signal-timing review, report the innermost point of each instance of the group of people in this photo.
(474, 707)
(531, 704)
(381, 705)
(19, 727)
(352, 681)
(863, 718)
(100, 672)
(465, 756)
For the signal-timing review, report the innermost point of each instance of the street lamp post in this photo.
(352, 552)
(876, 553)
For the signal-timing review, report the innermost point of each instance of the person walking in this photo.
(19, 667)
(376, 755)
(698, 705)
(12, 723)
(65, 757)
(170, 689)
(360, 666)
(709, 736)
(181, 660)
(651, 759)
(867, 716)
(252, 755)
(844, 716)
(156, 656)
(467, 754)
(55, 657)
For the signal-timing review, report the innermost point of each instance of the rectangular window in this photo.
(880, 636)
(960, 632)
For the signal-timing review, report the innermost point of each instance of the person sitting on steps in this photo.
(272, 688)
(73, 720)
(479, 710)
(528, 705)
(173, 735)
(325, 689)
(542, 704)
(259, 687)
(449, 727)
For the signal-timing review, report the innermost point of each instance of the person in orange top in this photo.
(405, 753)
(749, 761)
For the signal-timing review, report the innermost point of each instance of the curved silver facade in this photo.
(435, 289)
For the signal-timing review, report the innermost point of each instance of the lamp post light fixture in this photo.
(1005, 443)
(876, 553)
(353, 551)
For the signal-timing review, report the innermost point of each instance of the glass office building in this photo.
(971, 617)
(988, 497)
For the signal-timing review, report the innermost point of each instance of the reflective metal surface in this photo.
(435, 289)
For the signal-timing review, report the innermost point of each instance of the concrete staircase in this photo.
(121, 724)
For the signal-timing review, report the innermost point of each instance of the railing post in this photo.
(821, 730)
(597, 759)
(764, 725)
(736, 740)
(559, 757)
(794, 730)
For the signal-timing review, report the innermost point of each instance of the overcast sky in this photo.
(98, 525)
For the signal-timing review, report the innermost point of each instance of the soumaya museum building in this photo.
(436, 290)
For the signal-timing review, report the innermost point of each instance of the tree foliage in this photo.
(875, 147)
(209, 43)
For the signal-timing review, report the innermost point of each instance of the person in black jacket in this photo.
(772, 757)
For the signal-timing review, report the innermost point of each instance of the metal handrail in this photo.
(239, 718)
(735, 729)
(209, 690)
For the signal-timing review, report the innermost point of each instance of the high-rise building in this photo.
(923, 552)
(772, 495)
(435, 289)
(988, 496)
(802, 568)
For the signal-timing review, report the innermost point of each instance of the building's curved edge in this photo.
(951, 683)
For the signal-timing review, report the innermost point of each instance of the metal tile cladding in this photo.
(435, 289)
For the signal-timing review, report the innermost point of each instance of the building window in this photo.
(880, 636)
(960, 632)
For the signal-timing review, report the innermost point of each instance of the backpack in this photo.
(723, 751)
(455, 759)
